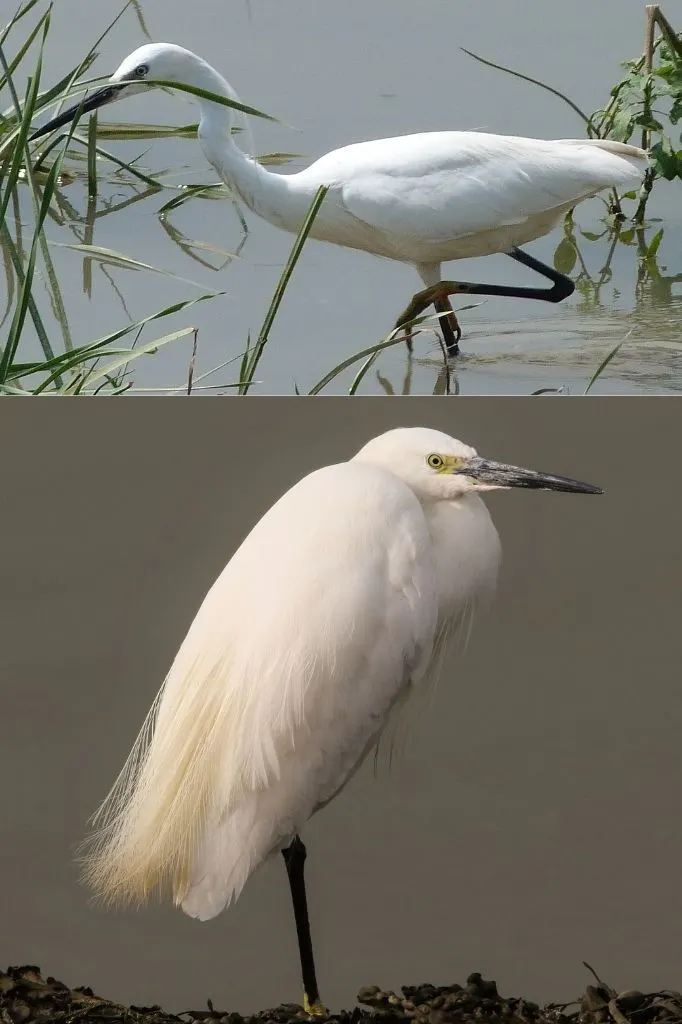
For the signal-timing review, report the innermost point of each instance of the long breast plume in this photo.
(150, 825)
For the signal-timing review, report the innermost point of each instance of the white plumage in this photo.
(421, 199)
(438, 196)
(336, 603)
(326, 612)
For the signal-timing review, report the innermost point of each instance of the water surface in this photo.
(336, 74)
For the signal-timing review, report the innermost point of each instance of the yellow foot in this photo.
(419, 304)
(436, 295)
(316, 1009)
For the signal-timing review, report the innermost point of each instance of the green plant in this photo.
(647, 100)
(98, 365)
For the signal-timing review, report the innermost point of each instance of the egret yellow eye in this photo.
(435, 461)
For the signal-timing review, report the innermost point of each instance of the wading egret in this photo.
(335, 606)
(420, 199)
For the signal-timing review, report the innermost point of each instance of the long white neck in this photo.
(272, 196)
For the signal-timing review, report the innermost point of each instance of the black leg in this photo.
(450, 330)
(562, 287)
(294, 859)
(449, 326)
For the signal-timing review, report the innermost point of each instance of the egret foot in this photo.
(316, 1009)
(436, 295)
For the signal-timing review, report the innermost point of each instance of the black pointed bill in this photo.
(90, 103)
(497, 474)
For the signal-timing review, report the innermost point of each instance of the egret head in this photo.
(438, 467)
(152, 62)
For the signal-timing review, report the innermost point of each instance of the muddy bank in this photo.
(26, 996)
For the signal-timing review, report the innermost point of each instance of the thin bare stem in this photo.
(668, 32)
(651, 11)
(534, 81)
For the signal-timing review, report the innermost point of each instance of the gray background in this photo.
(336, 73)
(534, 817)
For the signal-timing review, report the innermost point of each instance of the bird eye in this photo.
(435, 461)
(141, 70)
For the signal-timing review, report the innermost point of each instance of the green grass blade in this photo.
(21, 135)
(604, 363)
(119, 259)
(357, 380)
(41, 203)
(20, 12)
(9, 244)
(21, 52)
(63, 87)
(217, 191)
(132, 131)
(122, 164)
(214, 97)
(69, 360)
(25, 294)
(24, 298)
(127, 356)
(135, 4)
(262, 341)
(394, 338)
(87, 61)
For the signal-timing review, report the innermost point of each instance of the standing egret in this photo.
(336, 605)
(421, 199)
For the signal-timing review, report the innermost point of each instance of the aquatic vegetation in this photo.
(644, 107)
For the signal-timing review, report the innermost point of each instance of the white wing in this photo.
(282, 684)
(443, 185)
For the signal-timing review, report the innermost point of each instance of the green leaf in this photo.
(565, 256)
(623, 124)
(664, 159)
(654, 244)
(633, 89)
(650, 123)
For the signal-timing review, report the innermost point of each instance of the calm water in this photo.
(340, 73)
(532, 818)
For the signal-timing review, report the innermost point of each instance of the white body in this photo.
(374, 605)
(335, 604)
(430, 198)
(421, 199)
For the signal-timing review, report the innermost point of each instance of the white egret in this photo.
(333, 608)
(420, 199)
